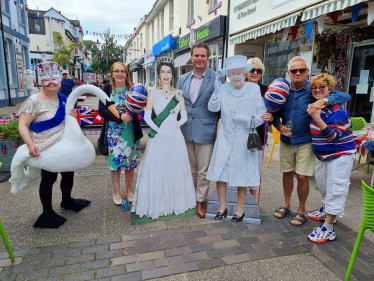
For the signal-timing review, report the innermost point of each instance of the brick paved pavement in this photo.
(173, 251)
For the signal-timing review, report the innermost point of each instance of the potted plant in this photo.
(10, 139)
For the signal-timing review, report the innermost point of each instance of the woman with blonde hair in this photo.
(334, 146)
(123, 133)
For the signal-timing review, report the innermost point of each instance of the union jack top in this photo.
(336, 139)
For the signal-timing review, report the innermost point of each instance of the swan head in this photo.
(76, 93)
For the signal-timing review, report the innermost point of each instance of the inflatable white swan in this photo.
(74, 151)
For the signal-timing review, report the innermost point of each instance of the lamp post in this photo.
(98, 54)
(5, 61)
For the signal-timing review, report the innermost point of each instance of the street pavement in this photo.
(99, 243)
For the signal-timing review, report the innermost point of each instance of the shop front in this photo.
(138, 71)
(150, 73)
(164, 48)
(213, 34)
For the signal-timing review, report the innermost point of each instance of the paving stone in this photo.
(171, 237)
(18, 268)
(8, 262)
(122, 245)
(135, 276)
(38, 257)
(123, 260)
(94, 264)
(218, 253)
(264, 254)
(108, 255)
(58, 278)
(67, 253)
(179, 230)
(50, 263)
(157, 233)
(363, 256)
(216, 231)
(278, 223)
(107, 240)
(238, 227)
(201, 247)
(243, 249)
(249, 240)
(64, 270)
(363, 267)
(136, 250)
(54, 248)
(336, 268)
(194, 257)
(225, 244)
(80, 259)
(222, 224)
(302, 239)
(96, 249)
(342, 226)
(133, 237)
(112, 271)
(27, 252)
(187, 242)
(184, 267)
(201, 227)
(258, 226)
(234, 235)
(269, 237)
(161, 247)
(274, 229)
(253, 232)
(83, 276)
(216, 262)
(323, 247)
(210, 238)
(306, 231)
(303, 248)
(155, 273)
(270, 218)
(32, 275)
(167, 261)
(358, 274)
(339, 249)
(151, 256)
(147, 241)
(194, 234)
(322, 256)
(288, 242)
(177, 251)
(237, 258)
(8, 277)
(284, 251)
(346, 245)
(139, 266)
(291, 234)
(81, 244)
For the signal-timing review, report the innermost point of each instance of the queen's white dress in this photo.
(164, 185)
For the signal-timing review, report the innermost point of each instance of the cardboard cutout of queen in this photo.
(232, 164)
(164, 185)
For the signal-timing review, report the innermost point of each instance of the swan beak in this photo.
(113, 109)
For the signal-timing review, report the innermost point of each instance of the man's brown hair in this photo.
(200, 45)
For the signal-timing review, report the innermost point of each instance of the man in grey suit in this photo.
(200, 130)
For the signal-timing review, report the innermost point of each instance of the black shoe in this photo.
(220, 215)
(49, 219)
(75, 204)
(237, 218)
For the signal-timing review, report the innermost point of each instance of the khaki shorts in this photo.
(298, 158)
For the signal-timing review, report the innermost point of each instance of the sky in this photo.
(97, 15)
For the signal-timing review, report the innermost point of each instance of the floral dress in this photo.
(124, 154)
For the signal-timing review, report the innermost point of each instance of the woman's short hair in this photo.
(325, 78)
(257, 61)
(111, 76)
(165, 61)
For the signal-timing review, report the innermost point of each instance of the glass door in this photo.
(361, 82)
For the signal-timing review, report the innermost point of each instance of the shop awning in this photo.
(182, 59)
(328, 7)
(267, 28)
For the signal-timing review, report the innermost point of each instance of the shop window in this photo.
(8, 61)
(5, 6)
(21, 12)
(213, 2)
(152, 82)
(23, 59)
(162, 24)
(171, 20)
(215, 55)
(191, 10)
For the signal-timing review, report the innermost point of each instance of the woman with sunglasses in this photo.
(40, 128)
(334, 146)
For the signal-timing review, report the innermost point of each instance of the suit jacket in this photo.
(201, 126)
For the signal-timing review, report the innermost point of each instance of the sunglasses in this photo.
(258, 70)
(53, 80)
(302, 70)
(320, 87)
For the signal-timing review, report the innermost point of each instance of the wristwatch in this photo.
(326, 100)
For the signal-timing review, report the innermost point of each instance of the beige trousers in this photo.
(199, 155)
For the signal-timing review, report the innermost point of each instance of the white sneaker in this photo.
(321, 235)
(318, 215)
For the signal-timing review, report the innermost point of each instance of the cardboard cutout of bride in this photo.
(164, 185)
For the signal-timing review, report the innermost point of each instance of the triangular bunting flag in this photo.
(356, 11)
(308, 28)
(294, 31)
(334, 16)
(321, 23)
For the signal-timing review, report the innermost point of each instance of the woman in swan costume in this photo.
(56, 134)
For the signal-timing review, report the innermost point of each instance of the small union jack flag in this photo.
(4, 120)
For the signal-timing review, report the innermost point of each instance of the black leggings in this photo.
(46, 184)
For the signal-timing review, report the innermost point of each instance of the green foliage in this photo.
(11, 130)
(89, 43)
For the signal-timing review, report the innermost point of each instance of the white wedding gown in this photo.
(164, 185)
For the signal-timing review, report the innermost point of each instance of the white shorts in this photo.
(332, 179)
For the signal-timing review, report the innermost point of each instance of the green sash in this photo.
(163, 115)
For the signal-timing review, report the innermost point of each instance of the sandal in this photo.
(302, 219)
(285, 213)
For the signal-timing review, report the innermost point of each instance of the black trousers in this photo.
(46, 184)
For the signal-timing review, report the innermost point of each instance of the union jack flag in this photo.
(4, 120)
(339, 86)
(86, 120)
(85, 116)
(340, 62)
(340, 73)
(340, 40)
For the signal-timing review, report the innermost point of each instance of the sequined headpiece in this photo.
(47, 69)
(166, 60)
